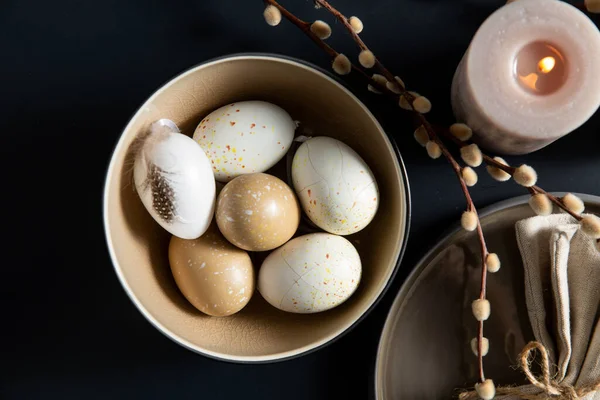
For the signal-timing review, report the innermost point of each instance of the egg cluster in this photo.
(255, 211)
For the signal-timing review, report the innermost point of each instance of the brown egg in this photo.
(215, 276)
(257, 212)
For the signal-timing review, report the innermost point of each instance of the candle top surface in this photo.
(532, 67)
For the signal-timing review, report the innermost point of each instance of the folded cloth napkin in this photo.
(562, 292)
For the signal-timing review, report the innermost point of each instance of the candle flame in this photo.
(546, 64)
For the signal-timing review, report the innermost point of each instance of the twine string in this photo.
(550, 388)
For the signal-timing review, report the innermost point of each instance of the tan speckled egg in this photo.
(215, 276)
(257, 212)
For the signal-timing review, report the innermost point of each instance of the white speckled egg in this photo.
(310, 273)
(245, 137)
(174, 180)
(336, 188)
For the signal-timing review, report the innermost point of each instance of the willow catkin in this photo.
(540, 204)
(471, 155)
(433, 149)
(341, 65)
(400, 82)
(272, 15)
(497, 173)
(481, 309)
(468, 220)
(422, 105)
(373, 89)
(525, 176)
(366, 58)
(321, 29)
(469, 176)
(492, 261)
(573, 203)
(590, 225)
(380, 80)
(461, 131)
(396, 87)
(356, 24)
(486, 390)
(421, 136)
(485, 346)
(592, 6)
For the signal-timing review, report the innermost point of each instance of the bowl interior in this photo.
(139, 246)
(424, 351)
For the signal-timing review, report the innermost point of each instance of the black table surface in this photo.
(72, 74)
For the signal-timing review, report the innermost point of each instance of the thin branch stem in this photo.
(305, 27)
(431, 132)
(455, 165)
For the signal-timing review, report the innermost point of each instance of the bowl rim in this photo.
(253, 359)
(422, 265)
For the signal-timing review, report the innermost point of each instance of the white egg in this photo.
(245, 137)
(175, 182)
(336, 188)
(310, 273)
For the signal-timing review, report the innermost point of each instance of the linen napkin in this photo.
(562, 292)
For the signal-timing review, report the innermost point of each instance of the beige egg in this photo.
(215, 276)
(257, 212)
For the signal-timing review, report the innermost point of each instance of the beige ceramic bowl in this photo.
(138, 246)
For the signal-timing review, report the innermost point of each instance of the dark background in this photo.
(73, 72)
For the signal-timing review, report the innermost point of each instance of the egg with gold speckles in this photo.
(245, 137)
(336, 188)
(257, 212)
(213, 275)
(310, 274)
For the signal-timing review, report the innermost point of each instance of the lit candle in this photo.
(530, 76)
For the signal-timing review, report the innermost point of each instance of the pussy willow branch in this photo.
(305, 27)
(455, 166)
(340, 17)
(511, 170)
(431, 132)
